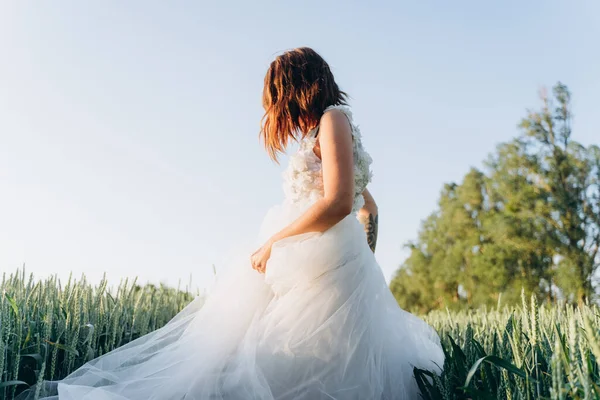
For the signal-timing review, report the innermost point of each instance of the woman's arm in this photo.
(368, 215)
(335, 145)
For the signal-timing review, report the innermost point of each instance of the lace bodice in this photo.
(303, 179)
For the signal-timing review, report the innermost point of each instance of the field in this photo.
(47, 330)
(525, 352)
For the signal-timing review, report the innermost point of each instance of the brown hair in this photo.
(299, 86)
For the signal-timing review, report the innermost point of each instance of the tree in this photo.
(529, 222)
(569, 173)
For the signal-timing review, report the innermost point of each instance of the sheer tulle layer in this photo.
(320, 324)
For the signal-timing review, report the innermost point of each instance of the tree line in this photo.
(529, 220)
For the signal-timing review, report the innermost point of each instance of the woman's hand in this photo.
(260, 257)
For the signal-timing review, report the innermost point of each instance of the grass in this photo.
(527, 352)
(47, 330)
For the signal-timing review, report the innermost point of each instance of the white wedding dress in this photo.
(321, 323)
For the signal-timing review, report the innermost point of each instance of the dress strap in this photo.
(343, 108)
(348, 112)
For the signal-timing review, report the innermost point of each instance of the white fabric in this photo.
(320, 324)
(303, 179)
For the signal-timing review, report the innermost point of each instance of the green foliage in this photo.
(525, 352)
(47, 330)
(530, 220)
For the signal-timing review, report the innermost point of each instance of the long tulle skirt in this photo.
(321, 323)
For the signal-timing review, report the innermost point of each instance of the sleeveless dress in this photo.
(321, 323)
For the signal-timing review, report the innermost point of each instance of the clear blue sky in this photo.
(129, 130)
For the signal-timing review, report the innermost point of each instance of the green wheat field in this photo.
(48, 329)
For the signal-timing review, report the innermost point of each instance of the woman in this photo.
(309, 316)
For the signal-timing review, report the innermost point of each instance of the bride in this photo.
(309, 314)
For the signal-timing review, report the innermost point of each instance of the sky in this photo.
(129, 130)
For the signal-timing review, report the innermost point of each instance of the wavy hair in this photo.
(299, 86)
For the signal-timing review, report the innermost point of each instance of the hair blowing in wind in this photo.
(298, 87)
